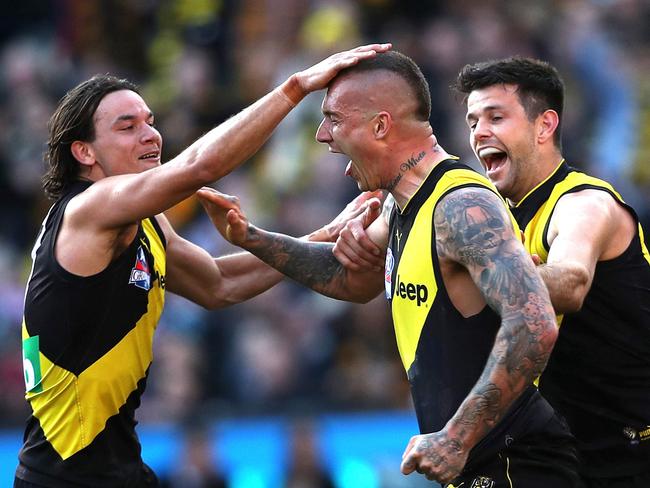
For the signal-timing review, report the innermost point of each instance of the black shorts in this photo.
(637, 481)
(540, 460)
(147, 479)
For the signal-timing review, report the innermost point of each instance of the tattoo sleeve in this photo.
(310, 263)
(473, 229)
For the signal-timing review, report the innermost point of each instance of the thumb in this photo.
(408, 464)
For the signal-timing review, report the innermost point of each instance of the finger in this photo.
(374, 47)
(362, 243)
(362, 200)
(354, 236)
(372, 211)
(354, 260)
(536, 259)
(409, 446)
(409, 464)
(217, 198)
(343, 259)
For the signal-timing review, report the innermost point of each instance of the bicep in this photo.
(473, 229)
(579, 229)
(191, 272)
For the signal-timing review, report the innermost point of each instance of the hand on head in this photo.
(318, 76)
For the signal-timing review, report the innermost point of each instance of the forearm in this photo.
(567, 283)
(244, 276)
(310, 263)
(225, 147)
(520, 353)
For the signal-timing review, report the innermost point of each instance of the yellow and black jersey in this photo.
(87, 348)
(598, 375)
(443, 352)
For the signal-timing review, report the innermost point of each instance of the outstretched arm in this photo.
(309, 263)
(473, 229)
(226, 280)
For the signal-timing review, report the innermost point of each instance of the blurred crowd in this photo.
(198, 62)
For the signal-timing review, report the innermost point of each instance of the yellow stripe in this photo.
(508, 471)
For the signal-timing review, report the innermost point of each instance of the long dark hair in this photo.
(73, 121)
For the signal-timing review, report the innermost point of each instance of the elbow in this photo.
(572, 300)
(363, 299)
(573, 303)
(366, 293)
(568, 293)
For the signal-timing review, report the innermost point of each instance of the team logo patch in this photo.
(482, 482)
(388, 271)
(631, 434)
(140, 275)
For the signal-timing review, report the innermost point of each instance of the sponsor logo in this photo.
(32, 365)
(412, 291)
(140, 275)
(482, 482)
(644, 435)
(388, 272)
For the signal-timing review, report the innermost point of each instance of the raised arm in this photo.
(473, 230)
(123, 199)
(310, 263)
(586, 227)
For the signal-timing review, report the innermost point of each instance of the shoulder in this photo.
(471, 217)
(598, 204)
(470, 199)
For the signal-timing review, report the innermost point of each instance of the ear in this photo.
(382, 124)
(83, 153)
(547, 123)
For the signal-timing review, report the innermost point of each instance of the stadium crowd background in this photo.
(289, 352)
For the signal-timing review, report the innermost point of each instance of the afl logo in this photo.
(140, 275)
(388, 271)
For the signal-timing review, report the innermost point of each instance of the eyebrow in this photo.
(130, 117)
(489, 108)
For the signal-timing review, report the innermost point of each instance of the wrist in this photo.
(291, 91)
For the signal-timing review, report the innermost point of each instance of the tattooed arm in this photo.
(473, 229)
(310, 263)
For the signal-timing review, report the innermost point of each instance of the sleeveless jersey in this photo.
(87, 347)
(598, 375)
(443, 352)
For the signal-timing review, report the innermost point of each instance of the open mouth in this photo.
(492, 158)
(150, 155)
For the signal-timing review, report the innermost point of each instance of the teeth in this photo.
(488, 151)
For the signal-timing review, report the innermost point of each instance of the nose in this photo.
(481, 130)
(323, 132)
(150, 134)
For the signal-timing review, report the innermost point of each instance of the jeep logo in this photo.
(411, 291)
